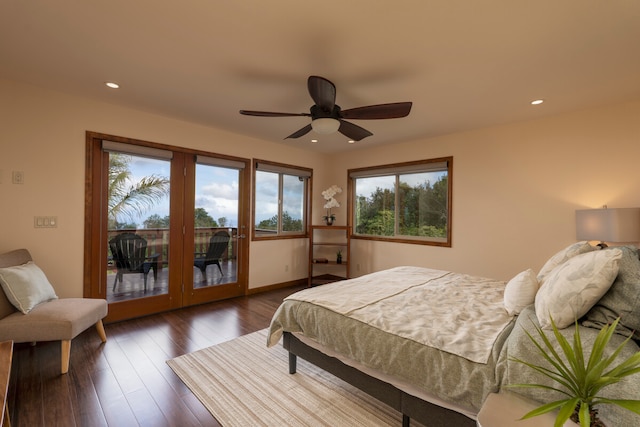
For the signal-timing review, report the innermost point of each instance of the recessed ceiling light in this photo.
(112, 85)
(351, 141)
(537, 102)
(314, 140)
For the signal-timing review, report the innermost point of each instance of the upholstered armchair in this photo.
(30, 311)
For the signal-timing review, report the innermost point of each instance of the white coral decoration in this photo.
(329, 194)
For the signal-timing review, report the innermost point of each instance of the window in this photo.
(281, 200)
(407, 202)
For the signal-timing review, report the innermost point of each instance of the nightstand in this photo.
(505, 410)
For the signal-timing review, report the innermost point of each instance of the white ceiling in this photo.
(465, 64)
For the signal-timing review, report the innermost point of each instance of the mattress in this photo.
(439, 332)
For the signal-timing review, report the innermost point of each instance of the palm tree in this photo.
(127, 199)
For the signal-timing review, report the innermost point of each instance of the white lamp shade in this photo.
(325, 125)
(608, 225)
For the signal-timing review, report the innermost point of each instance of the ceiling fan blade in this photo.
(352, 131)
(323, 92)
(271, 114)
(381, 111)
(297, 134)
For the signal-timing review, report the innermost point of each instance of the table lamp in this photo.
(608, 225)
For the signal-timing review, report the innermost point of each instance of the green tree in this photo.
(269, 224)
(422, 210)
(288, 223)
(376, 214)
(128, 199)
(202, 219)
(156, 221)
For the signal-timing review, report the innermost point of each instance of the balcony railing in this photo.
(158, 241)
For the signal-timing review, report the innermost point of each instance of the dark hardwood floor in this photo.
(126, 381)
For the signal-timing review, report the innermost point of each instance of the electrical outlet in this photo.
(18, 177)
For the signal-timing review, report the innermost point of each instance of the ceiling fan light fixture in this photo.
(325, 125)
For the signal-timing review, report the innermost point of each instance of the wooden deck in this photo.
(132, 285)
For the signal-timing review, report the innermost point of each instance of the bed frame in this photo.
(407, 404)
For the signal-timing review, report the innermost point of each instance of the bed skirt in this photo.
(410, 406)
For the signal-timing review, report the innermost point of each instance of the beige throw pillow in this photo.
(562, 256)
(520, 292)
(26, 286)
(573, 287)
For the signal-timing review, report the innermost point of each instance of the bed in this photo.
(433, 344)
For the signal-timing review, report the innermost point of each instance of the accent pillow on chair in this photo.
(26, 286)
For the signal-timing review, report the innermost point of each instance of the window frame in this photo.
(395, 170)
(282, 169)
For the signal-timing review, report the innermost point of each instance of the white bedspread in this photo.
(464, 316)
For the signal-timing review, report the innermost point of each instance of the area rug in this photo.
(244, 383)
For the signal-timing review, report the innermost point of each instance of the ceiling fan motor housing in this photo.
(319, 113)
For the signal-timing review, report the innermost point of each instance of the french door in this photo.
(164, 226)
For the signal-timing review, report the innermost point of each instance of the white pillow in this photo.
(562, 256)
(573, 287)
(520, 292)
(26, 286)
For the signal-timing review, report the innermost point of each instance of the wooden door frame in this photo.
(95, 233)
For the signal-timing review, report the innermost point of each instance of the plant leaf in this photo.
(547, 387)
(631, 405)
(548, 407)
(553, 357)
(584, 415)
(578, 353)
(565, 411)
(569, 354)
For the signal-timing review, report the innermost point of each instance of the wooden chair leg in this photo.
(101, 332)
(65, 353)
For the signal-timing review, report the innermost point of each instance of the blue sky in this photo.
(216, 189)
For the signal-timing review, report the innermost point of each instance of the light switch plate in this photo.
(45, 221)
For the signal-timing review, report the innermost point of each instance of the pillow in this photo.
(26, 286)
(622, 299)
(572, 288)
(562, 256)
(520, 292)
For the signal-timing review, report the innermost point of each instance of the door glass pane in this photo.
(216, 225)
(138, 226)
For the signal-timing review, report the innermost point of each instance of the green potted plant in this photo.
(581, 382)
(339, 257)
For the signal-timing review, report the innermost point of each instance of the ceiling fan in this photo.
(327, 117)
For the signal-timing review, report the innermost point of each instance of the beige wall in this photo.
(42, 133)
(516, 187)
